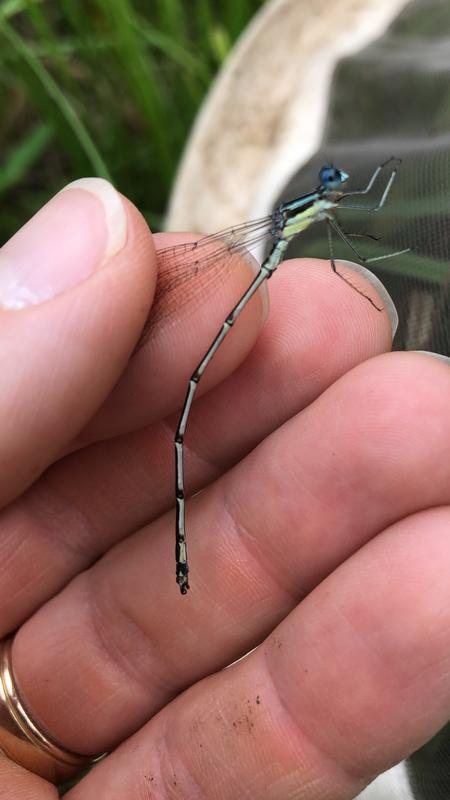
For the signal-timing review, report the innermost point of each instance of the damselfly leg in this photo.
(367, 189)
(333, 225)
(374, 176)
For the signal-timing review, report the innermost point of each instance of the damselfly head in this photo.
(331, 177)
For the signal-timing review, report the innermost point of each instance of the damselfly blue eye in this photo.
(332, 178)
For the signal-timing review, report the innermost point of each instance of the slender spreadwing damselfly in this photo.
(203, 256)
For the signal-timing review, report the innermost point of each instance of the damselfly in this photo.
(201, 256)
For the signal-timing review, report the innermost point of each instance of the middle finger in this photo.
(339, 472)
(103, 493)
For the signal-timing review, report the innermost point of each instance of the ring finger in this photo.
(331, 698)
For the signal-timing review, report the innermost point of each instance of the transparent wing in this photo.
(187, 270)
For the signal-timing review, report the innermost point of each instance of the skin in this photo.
(322, 535)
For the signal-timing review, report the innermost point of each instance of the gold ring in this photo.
(20, 738)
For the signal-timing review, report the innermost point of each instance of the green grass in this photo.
(107, 88)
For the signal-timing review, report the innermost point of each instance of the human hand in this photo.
(321, 534)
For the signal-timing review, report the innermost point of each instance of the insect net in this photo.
(393, 99)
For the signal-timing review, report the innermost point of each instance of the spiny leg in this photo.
(373, 177)
(384, 196)
(339, 274)
(333, 225)
(345, 238)
(362, 236)
(182, 567)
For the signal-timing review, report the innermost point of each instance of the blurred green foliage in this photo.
(104, 87)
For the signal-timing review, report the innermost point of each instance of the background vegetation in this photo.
(107, 88)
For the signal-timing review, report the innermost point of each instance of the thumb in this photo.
(76, 283)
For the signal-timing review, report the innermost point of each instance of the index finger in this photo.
(154, 383)
(155, 380)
